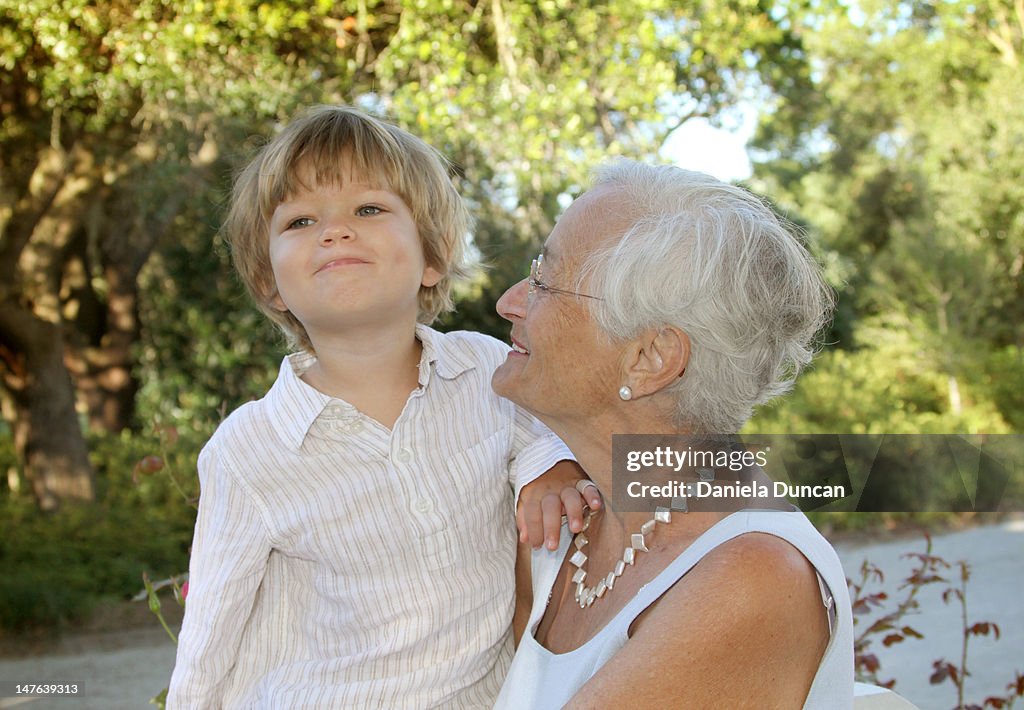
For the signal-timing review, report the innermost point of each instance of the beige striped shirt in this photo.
(340, 564)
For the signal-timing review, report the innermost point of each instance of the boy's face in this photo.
(346, 255)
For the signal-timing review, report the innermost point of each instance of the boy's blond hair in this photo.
(326, 141)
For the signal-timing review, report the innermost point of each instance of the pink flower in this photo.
(150, 464)
(146, 466)
(184, 590)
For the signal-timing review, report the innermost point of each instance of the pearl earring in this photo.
(625, 393)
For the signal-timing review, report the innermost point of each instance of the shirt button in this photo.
(355, 427)
(423, 505)
(404, 456)
(334, 410)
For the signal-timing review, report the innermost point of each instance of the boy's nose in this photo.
(336, 231)
(512, 304)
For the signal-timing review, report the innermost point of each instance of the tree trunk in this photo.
(107, 387)
(953, 387)
(101, 332)
(43, 214)
(955, 405)
(47, 435)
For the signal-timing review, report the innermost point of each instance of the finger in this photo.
(592, 494)
(551, 505)
(573, 504)
(521, 522)
(533, 524)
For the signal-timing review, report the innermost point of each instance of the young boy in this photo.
(352, 548)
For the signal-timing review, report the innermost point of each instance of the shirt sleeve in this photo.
(535, 449)
(229, 556)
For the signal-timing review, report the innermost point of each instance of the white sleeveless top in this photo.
(539, 679)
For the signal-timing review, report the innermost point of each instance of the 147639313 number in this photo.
(41, 689)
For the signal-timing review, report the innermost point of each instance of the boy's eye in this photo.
(368, 210)
(300, 223)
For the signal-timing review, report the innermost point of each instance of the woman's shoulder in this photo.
(773, 561)
(756, 562)
(750, 600)
(788, 535)
(747, 566)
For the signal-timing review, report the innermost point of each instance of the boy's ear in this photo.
(431, 277)
(277, 303)
(656, 359)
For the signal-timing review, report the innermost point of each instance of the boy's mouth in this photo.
(343, 261)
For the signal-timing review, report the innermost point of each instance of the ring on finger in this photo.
(583, 483)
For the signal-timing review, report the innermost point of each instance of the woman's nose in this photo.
(512, 304)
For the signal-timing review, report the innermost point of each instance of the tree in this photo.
(120, 118)
(105, 137)
(907, 165)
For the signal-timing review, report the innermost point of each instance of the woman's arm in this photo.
(745, 628)
(524, 590)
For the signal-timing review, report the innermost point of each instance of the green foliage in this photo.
(887, 383)
(205, 349)
(524, 97)
(1001, 378)
(890, 385)
(894, 135)
(907, 169)
(58, 566)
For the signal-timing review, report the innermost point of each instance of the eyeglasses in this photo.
(536, 284)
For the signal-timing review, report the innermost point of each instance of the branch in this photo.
(678, 123)
(1002, 35)
(1005, 47)
(604, 121)
(364, 50)
(506, 57)
(18, 327)
(44, 185)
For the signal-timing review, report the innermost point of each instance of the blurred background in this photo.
(891, 132)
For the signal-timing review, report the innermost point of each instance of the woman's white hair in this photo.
(718, 263)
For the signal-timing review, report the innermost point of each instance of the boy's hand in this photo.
(543, 501)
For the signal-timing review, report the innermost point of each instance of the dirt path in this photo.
(122, 670)
(119, 670)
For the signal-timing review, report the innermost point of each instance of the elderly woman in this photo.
(667, 302)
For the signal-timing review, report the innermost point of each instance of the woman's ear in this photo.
(656, 360)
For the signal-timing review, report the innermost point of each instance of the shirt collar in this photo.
(442, 352)
(295, 405)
